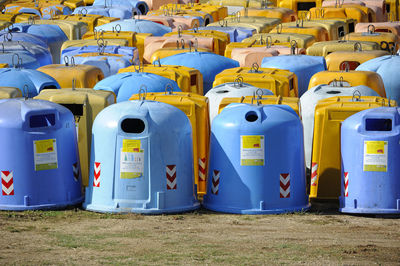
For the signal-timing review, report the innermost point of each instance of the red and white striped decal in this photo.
(171, 177)
(75, 170)
(7, 183)
(202, 169)
(314, 169)
(97, 171)
(346, 184)
(215, 182)
(285, 185)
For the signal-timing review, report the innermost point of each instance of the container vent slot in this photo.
(76, 109)
(133, 125)
(46, 120)
(251, 116)
(50, 87)
(340, 29)
(305, 6)
(351, 27)
(378, 124)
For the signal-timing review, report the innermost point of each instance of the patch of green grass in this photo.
(19, 229)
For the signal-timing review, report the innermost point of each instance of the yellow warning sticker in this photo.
(252, 151)
(45, 154)
(132, 159)
(375, 156)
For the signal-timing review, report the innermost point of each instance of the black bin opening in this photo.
(76, 109)
(193, 80)
(340, 30)
(305, 6)
(50, 87)
(351, 27)
(45, 120)
(133, 125)
(378, 124)
(251, 116)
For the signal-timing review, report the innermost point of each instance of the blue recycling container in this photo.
(148, 168)
(124, 85)
(30, 82)
(388, 67)
(41, 54)
(304, 66)
(209, 64)
(136, 25)
(129, 53)
(108, 63)
(256, 161)
(370, 155)
(24, 37)
(121, 12)
(137, 4)
(25, 60)
(39, 165)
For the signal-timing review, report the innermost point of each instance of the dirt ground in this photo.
(78, 237)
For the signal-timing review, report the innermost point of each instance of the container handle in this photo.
(168, 89)
(308, 15)
(195, 28)
(182, 44)
(356, 96)
(293, 46)
(25, 91)
(371, 29)
(66, 61)
(298, 21)
(238, 82)
(279, 28)
(357, 47)
(138, 69)
(268, 41)
(117, 28)
(16, 63)
(83, 12)
(31, 20)
(142, 92)
(237, 15)
(8, 36)
(3, 49)
(158, 61)
(259, 93)
(196, 44)
(73, 87)
(254, 68)
(101, 45)
(346, 67)
(180, 31)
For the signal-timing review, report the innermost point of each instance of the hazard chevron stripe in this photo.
(215, 182)
(171, 177)
(75, 170)
(314, 175)
(346, 184)
(202, 169)
(7, 183)
(97, 173)
(284, 185)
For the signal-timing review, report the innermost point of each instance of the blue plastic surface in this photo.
(139, 5)
(109, 64)
(388, 67)
(41, 54)
(165, 140)
(304, 66)
(24, 37)
(208, 64)
(378, 191)
(136, 25)
(26, 183)
(28, 61)
(34, 80)
(124, 85)
(236, 34)
(121, 12)
(267, 178)
(127, 52)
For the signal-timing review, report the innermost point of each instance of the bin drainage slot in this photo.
(376, 124)
(46, 120)
(76, 109)
(133, 125)
(333, 92)
(251, 116)
(222, 91)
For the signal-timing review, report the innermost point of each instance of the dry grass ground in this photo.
(79, 237)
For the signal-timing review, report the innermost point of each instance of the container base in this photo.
(55, 206)
(108, 209)
(256, 211)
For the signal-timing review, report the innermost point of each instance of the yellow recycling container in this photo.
(340, 13)
(349, 78)
(91, 21)
(325, 48)
(3, 65)
(339, 60)
(80, 43)
(196, 109)
(84, 104)
(83, 76)
(280, 82)
(217, 12)
(284, 14)
(386, 40)
(326, 160)
(319, 32)
(73, 3)
(188, 79)
(302, 40)
(299, 6)
(9, 92)
(293, 102)
(260, 24)
(165, 52)
(335, 28)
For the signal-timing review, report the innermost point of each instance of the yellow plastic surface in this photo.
(9, 92)
(188, 79)
(3, 65)
(196, 109)
(86, 76)
(299, 6)
(293, 102)
(340, 13)
(4, 24)
(217, 12)
(280, 82)
(351, 78)
(320, 33)
(378, 37)
(73, 3)
(325, 48)
(165, 52)
(335, 28)
(302, 40)
(85, 104)
(260, 24)
(336, 61)
(283, 14)
(91, 21)
(326, 161)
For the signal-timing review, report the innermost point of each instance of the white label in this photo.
(45, 154)
(252, 152)
(132, 159)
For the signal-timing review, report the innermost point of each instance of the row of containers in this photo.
(156, 153)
